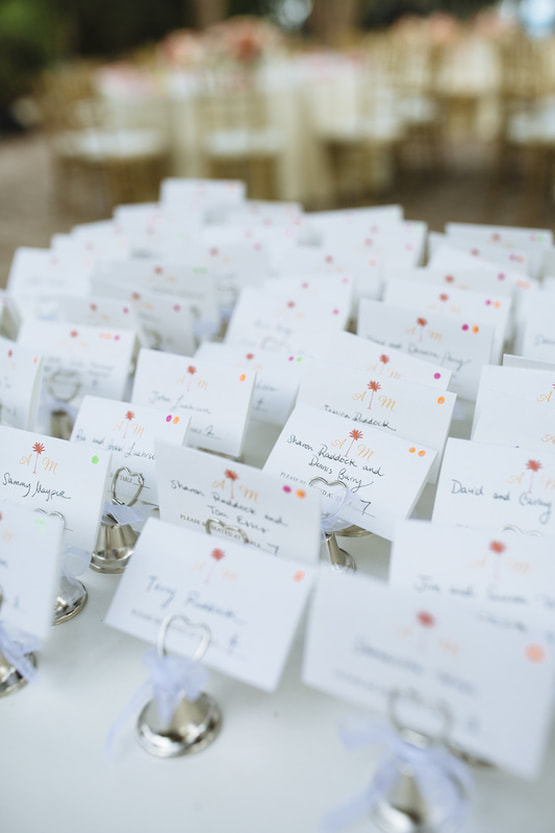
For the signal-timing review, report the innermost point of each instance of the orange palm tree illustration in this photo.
(372, 386)
(533, 466)
(232, 477)
(128, 417)
(421, 323)
(191, 370)
(38, 448)
(356, 435)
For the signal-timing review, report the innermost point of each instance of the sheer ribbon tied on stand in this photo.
(419, 787)
(332, 522)
(176, 716)
(116, 537)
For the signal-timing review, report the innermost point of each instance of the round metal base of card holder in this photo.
(354, 532)
(70, 601)
(10, 678)
(114, 547)
(340, 559)
(194, 725)
(405, 810)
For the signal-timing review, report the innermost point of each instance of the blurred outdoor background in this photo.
(445, 107)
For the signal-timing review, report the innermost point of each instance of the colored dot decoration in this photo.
(287, 489)
(535, 653)
(94, 459)
(437, 375)
(440, 400)
(242, 377)
(300, 493)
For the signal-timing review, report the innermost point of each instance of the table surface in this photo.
(278, 765)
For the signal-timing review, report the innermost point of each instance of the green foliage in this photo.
(29, 36)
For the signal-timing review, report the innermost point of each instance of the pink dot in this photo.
(409, 247)
(169, 418)
(501, 276)
(344, 280)
(335, 312)
(287, 489)
(488, 303)
(126, 310)
(258, 247)
(465, 326)
(437, 375)
(116, 338)
(176, 307)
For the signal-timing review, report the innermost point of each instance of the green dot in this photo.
(299, 359)
(94, 459)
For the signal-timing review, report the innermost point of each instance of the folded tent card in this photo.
(502, 578)
(238, 502)
(78, 359)
(20, 380)
(128, 433)
(31, 548)
(56, 476)
(460, 346)
(404, 409)
(250, 601)
(39, 276)
(9, 316)
(366, 641)
(369, 479)
(217, 397)
(277, 377)
(496, 487)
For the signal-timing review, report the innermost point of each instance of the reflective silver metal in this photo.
(404, 809)
(63, 385)
(340, 559)
(212, 525)
(61, 424)
(116, 542)
(10, 678)
(70, 601)
(194, 724)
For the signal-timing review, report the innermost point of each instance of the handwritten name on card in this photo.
(238, 501)
(216, 397)
(365, 640)
(384, 475)
(42, 472)
(250, 601)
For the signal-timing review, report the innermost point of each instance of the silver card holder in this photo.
(340, 559)
(194, 724)
(116, 542)
(63, 386)
(10, 678)
(72, 594)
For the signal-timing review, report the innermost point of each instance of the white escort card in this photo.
(9, 316)
(384, 475)
(504, 578)
(495, 486)
(129, 433)
(20, 378)
(461, 304)
(38, 276)
(460, 347)
(510, 420)
(177, 194)
(217, 397)
(251, 602)
(30, 552)
(536, 339)
(54, 475)
(80, 359)
(357, 352)
(366, 641)
(239, 502)
(271, 319)
(402, 409)
(515, 261)
(535, 388)
(534, 241)
(100, 311)
(277, 377)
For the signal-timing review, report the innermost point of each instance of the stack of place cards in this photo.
(402, 409)
(20, 378)
(239, 502)
(462, 347)
(496, 487)
(366, 641)
(370, 479)
(55, 476)
(505, 578)
(277, 377)
(216, 397)
(30, 551)
(251, 602)
(128, 433)
(515, 406)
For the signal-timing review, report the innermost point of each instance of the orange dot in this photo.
(412, 450)
(440, 400)
(175, 420)
(299, 575)
(475, 329)
(535, 653)
(35, 360)
(422, 453)
(300, 493)
(242, 377)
